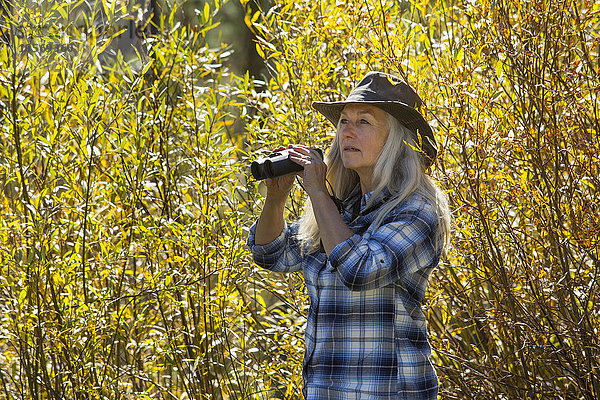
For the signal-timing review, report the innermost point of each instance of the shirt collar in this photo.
(365, 199)
(356, 199)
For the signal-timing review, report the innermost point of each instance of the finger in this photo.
(300, 159)
(314, 154)
(269, 183)
(295, 153)
(301, 149)
(305, 155)
(308, 152)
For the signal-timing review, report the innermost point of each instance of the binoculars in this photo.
(276, 164)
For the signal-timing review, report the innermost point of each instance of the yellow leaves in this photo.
(175, 259)
(499, 70)
(22, 296)
(422, 6)
(524, 180)
(260, 51)
(169, 202)
(460, 55)
(109, 7)
(250, 20)
(160, 212)
(586, 181)
(206, 12)
(224, 123)
(108, 40)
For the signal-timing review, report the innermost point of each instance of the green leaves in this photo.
(113, 256)
(174, 305)
(502, 84)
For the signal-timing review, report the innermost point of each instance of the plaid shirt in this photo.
(366, 335)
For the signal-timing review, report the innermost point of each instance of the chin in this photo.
(347, 165)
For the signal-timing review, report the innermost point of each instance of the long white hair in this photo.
(399, 168)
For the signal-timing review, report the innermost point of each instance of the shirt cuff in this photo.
(268, 248)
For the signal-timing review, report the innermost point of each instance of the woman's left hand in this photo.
(315, 170)
(333, 230)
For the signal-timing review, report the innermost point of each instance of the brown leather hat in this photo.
(393, 96)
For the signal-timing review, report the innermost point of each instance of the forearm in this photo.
(332, 228)
(270, 223)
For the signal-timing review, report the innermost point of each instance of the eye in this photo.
(364, 121)
(343, 121)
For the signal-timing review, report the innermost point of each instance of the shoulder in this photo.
(414, 207)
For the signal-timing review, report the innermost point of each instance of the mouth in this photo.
(350, 149)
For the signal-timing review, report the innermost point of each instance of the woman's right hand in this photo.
(270, 223)
(279, 188)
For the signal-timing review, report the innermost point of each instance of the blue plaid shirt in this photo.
(366, 335)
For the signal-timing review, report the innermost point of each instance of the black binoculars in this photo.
(276, 164)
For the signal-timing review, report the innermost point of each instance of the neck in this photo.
(365, 177)
(365, 186)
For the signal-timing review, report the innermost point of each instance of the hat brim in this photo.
(407, 115)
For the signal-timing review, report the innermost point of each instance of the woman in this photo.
(365, 266)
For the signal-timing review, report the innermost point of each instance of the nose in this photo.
(347, 130)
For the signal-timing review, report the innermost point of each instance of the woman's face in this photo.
(363, 131)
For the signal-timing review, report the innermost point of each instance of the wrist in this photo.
(275, 201)
(319, 194)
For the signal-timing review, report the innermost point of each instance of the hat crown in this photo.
(377, 86)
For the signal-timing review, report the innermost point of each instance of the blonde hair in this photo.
(399, 168)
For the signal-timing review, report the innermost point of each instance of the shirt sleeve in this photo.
(281, 255)
(401, 250)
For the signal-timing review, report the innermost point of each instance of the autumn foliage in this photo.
(126, 194)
